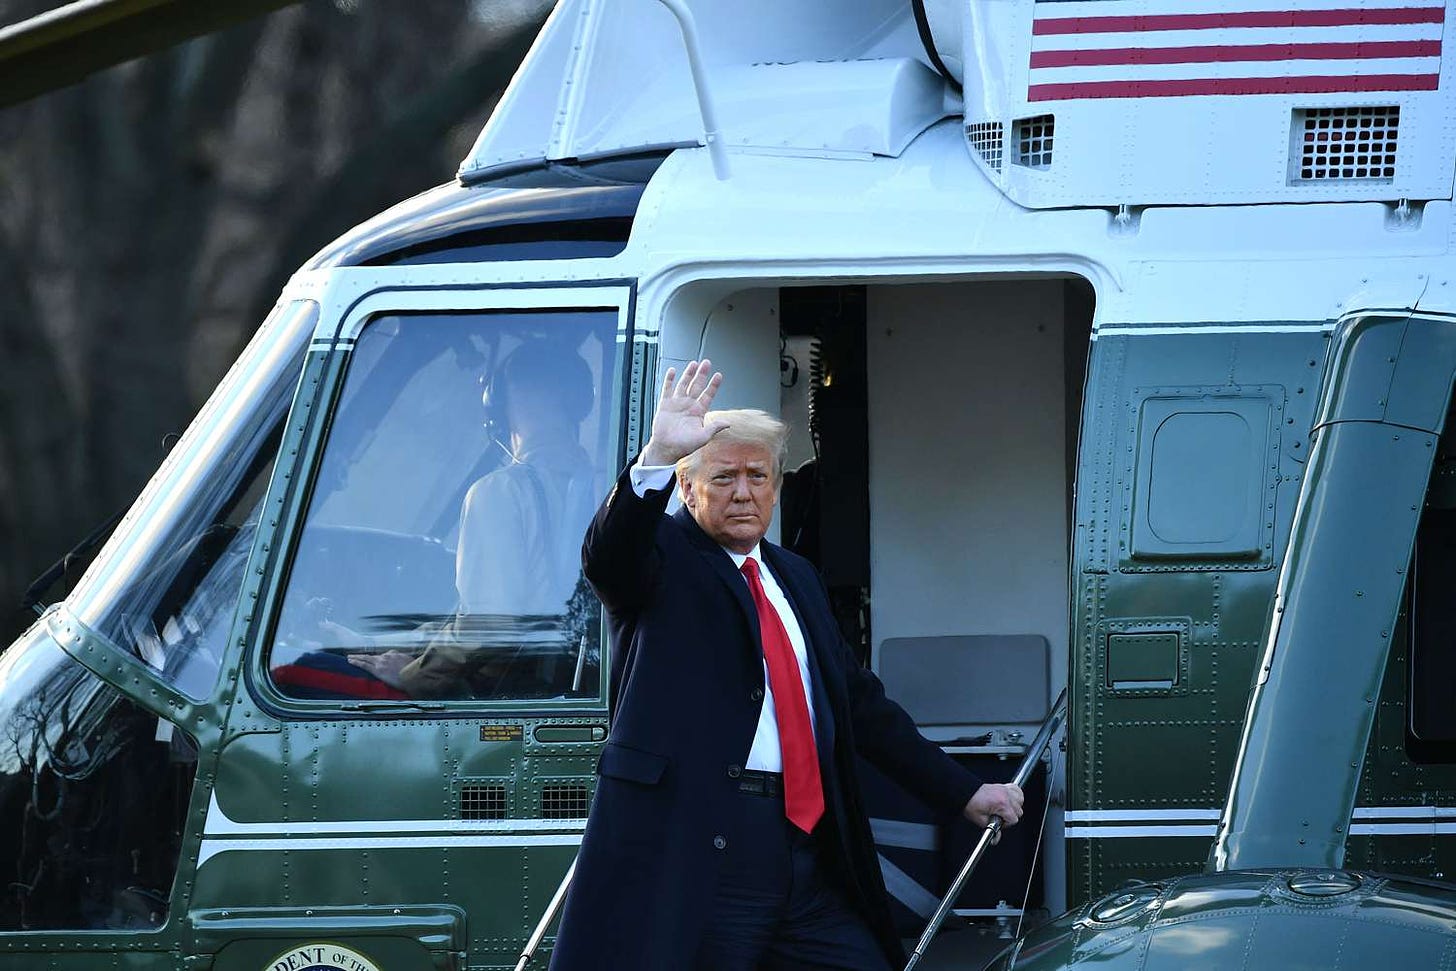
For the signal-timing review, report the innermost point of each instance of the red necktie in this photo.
(803, 792)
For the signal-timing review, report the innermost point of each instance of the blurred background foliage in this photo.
(150, 215)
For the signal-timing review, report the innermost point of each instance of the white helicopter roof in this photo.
(1065, 102)
(611, 77)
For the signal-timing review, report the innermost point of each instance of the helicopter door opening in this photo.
(932, 448)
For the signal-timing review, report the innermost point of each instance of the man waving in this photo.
(727, 832)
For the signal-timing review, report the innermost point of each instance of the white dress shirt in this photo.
(764, 755)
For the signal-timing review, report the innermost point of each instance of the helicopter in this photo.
(1177, 282)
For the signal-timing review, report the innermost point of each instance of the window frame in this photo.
(98, 595)
(1422, 750)
(618, 296)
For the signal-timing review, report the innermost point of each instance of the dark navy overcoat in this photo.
(687, 687)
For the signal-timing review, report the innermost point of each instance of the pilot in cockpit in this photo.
(518, 557)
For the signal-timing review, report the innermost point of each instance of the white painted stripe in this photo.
(1231, 36)
(218, 823)
(213, 847)
(1123, 832)
(1403, 829)
(566, 299)
(367, 826)
(1236, 69)
(1430, 828)
(1405, 812)
(1138, 815)
(1144, 815)
(1195, 329)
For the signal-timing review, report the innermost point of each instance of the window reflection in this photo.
(166, 585)
(441, 556)
(93, 798)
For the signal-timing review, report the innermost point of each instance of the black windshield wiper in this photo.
(43, 583)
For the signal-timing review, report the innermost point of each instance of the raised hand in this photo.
(678, 428)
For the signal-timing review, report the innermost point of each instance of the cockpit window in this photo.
(166, 585)
(441, 553)
(93, 798)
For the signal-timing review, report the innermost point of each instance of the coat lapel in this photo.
(819, 659)
(722, 565)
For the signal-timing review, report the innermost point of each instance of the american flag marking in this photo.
(1084, 50)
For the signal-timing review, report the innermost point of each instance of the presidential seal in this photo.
(321, 957)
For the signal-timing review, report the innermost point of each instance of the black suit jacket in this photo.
(687, 687)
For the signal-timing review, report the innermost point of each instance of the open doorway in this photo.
(932, 454)
(932, 461)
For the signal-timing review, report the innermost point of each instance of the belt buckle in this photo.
(760, 783)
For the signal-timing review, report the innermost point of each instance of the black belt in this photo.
(760, 783)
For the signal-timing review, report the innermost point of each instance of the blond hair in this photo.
(746, 426)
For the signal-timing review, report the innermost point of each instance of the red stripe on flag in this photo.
(1237, 52)
(1254, 18)
(1073, 91)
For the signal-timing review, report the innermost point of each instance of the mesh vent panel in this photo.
(1345, 144)
(482, 802)
(986, 138)
(564, 801)
(1034, 141)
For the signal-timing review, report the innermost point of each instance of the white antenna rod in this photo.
(689, 29)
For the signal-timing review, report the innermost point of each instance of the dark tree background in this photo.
(150, 215)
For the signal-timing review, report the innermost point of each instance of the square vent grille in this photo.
(1034, 141)
(564, 801)
(987, 137)
(1345, 144)
(483, 802)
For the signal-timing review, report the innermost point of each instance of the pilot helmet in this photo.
(543, 363)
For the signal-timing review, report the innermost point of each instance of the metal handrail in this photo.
(534, 941)
(1028, 764)
(992, 832)
(711, 136)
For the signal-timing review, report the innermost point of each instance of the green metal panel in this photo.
(1143, 660)
(1115, 862)
(1171, 748)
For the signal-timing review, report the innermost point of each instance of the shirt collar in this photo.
(738, 558)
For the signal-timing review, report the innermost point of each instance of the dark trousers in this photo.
(776, 907)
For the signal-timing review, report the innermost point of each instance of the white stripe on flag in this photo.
(1234, 69)
(1235, 35)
